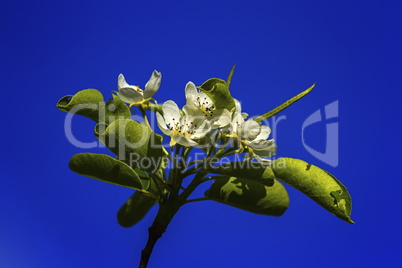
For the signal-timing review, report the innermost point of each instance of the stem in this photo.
(155, 232)
(154, 107)
(197, 168)
(144, 115)
(197, 200)
(173, 203)
(156, 180)
(193, 184)
(165, 215)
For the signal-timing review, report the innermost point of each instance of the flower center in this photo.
(182, 128)
(138, 89)
(206, 107)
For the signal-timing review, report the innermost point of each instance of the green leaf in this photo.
(135, 209)
(132, 142)
(85, 103)
(144, 177)
(151, 187)
(284, 105)
(229, 80)
(116, 109)
(218, 91)
(90, 103)
(316, 183)
(105, 168)
(248, 170)
(250, 195)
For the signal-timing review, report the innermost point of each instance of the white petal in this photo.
(214, 136)
(153, 84)
(264, 134)
(171, 113)
(130, 95)
(261, 144)
(121, 82)
(194, 112)
(191, 90)
(185, 122)
(237, 105)
(191, 109)
(197, 117)
(249, 130)
(162, 124)
(221, 118)
(205, 100)
(201, 130)
(183, 141)
(263, 160)
(264, 148)
(171, 104)
(238, 109)
(236, 122)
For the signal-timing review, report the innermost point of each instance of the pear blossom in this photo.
(254, 136)
(134, 94)
(183, 129)
(238, 108)
(197, 100)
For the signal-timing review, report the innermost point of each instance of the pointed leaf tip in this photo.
(229, 80)
(284, 105)
(90, 103)
(316, 183)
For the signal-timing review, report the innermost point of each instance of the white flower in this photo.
(183, 129)
(134, 94)
(196, 100)
(238, 109)
(254, 136)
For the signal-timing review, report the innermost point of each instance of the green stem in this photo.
(154, 107)
(144, 115)
(190, 171)
(193, 185)
(174, 177)
(157, 181)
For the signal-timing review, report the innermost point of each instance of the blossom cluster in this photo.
(200, 121)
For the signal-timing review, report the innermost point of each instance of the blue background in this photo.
(51, 217)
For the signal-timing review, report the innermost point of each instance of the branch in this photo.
(154, 233)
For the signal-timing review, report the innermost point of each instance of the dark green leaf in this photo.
(105, 168)
(316, 183)
(218, 91)
(144, 177)
(135, 209)
(90, 103)
(248, 170)
(250, 195)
